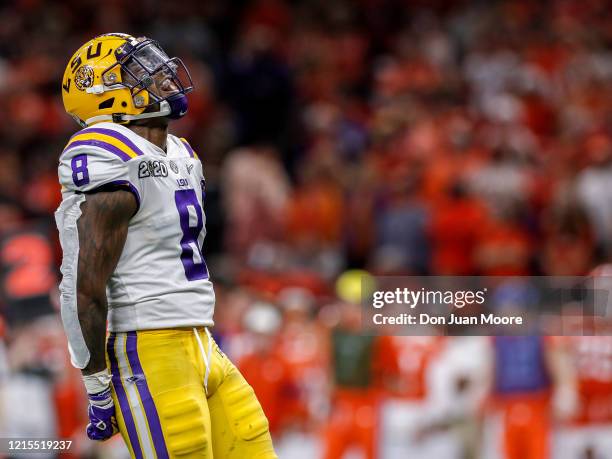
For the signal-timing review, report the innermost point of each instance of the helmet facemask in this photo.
(158, 84)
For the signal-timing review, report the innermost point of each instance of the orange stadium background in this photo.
(396, 137)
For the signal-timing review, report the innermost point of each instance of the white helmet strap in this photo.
(101, 88)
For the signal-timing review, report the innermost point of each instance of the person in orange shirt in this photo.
(265, 369)
(303, 345)
(314, 212)
(305, 350)
(455, 230)
(504, 248)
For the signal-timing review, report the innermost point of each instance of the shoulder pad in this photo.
(109, 140)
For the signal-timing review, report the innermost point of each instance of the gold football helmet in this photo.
(119, 78)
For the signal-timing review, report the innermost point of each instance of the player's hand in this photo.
(102, 419)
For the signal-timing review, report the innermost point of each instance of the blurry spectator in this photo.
(568, 245)
(532, 384)
(28, 279)
(255, 193)
(305, 349)
(265, 369)
(42, 395)
(589, 432)
(404, 365)
(504, 248)
(315, 210)
(258, 84)
(504, 184)
(521, 392)
(401, 222)
(353, 414)
(457, 391)
(594, 188)
(455, 230)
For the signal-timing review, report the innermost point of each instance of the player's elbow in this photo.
(90, 284)
(91, 302)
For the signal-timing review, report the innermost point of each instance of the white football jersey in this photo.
(161, 279)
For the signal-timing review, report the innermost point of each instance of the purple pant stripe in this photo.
(124, 405)
(98, 143)
(147, 400)
(188, 147)
(114, 134)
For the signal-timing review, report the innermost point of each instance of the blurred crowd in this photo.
(393, 136)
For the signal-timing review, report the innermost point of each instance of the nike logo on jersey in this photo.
(189, 168)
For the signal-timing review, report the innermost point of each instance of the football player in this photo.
(588, 434)
(131, 226)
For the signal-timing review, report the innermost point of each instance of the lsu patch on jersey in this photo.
(161, 279)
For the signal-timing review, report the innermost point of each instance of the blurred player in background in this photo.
(532, 383)
(457, 389)
(36, 370)
(302, 345)
(131, 226)
(588, 433)
(353, 419)
(404, 365)
(266, 369)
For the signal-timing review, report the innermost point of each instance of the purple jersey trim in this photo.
(188, 147)
(145, 396)
(100, 144)
(114, 134)
(124, 404)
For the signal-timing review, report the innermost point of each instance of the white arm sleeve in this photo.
(66, 218)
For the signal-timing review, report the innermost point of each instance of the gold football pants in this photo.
(178, 396)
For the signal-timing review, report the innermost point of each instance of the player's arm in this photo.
(102, 228)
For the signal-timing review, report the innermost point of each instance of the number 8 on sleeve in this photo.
(80, 174)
